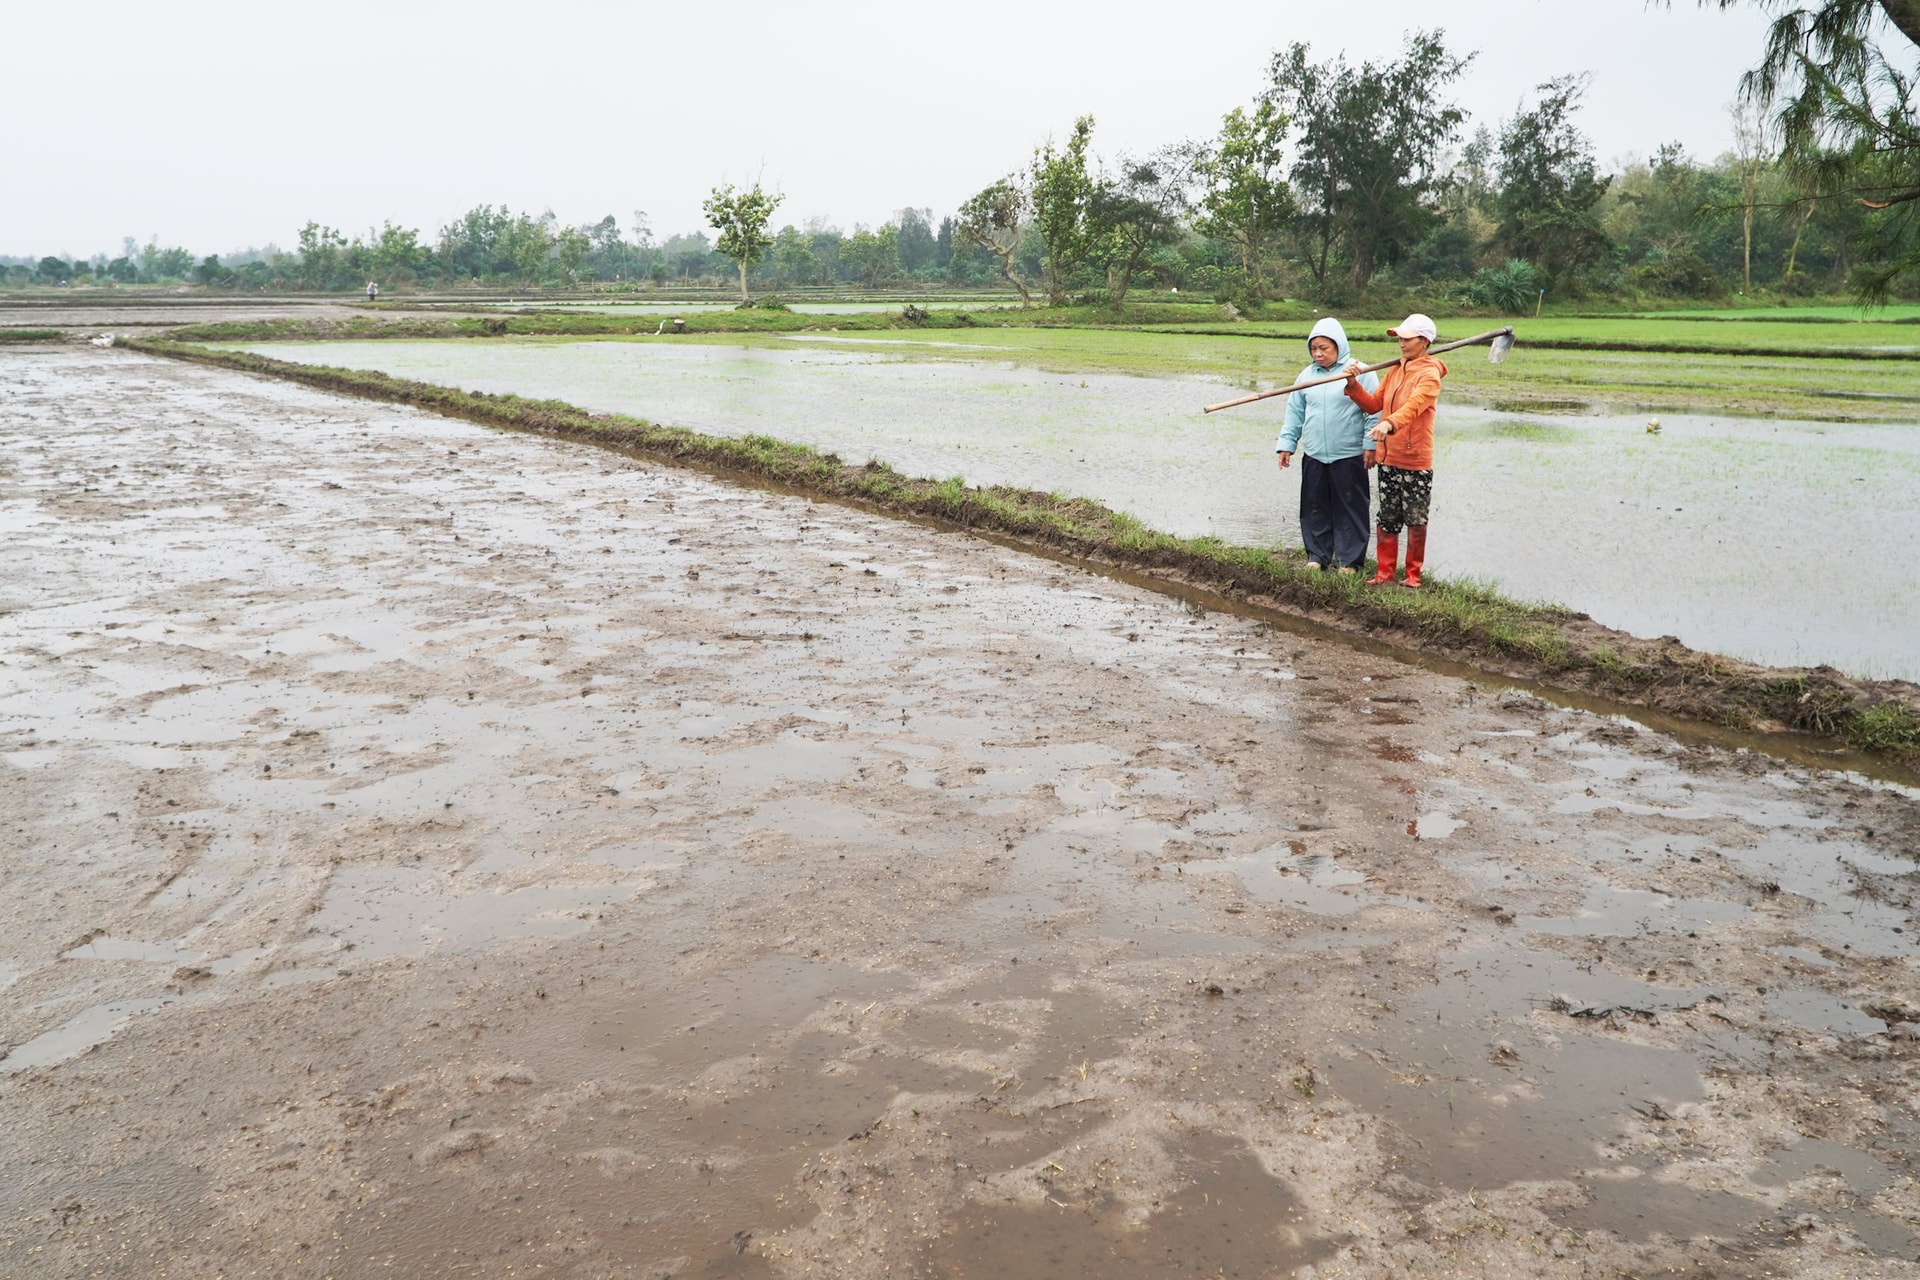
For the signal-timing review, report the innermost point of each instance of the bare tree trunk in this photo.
(742, 264)
(1127, 268)
(1799, 227)
(1750, 137)
(1746, 249)
(1006, 269)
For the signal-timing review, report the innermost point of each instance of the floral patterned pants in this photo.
(1404, 498)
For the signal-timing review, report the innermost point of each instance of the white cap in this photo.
(1415, 326)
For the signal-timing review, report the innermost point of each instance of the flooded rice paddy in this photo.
(1762, 539)
(436, 851)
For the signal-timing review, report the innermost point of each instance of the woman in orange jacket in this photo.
(1405, 402)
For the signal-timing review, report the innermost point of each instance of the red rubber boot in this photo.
(1387, 546)
(1416, 554)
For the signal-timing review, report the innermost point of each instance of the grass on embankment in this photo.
(1461, 621)
(29, 335)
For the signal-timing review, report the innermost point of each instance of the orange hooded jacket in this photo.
(1405, 402)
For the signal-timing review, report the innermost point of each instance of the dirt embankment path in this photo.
(438, 853)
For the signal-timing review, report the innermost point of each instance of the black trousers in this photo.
(1333, 511)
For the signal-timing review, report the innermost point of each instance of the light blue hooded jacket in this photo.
(1321, 421)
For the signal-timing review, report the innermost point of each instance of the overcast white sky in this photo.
(218, 125)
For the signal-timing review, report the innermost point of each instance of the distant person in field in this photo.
(1329, 432)
(1403, 439)
(373, 292)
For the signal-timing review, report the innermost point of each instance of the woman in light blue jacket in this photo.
(1329, 432)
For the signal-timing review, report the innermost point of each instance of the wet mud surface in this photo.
(431, 851)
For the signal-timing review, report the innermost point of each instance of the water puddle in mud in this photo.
(1823, 1013)
(1228, 1218)
(1288, 874)
(1630, 912)
(107, 948)
(1434, 826)
(1506, 1072)
(1632, 503)
(1818, 1164)
(1480, 1101)
(384, 912)
(1853, 912)
(85, 1030)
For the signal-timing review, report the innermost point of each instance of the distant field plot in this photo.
(1730, 383)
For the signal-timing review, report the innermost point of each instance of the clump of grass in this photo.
(29, 335)
(1804, 703)
(1889, 729)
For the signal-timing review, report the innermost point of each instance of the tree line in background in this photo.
(1336, 182)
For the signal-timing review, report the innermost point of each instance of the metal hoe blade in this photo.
(1497, 353)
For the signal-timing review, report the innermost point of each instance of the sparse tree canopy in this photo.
(991, 220)
(741, 219)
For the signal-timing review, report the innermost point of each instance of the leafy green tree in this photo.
(54, 270)
(688, 256)
(1550, 185)
(1139, 210)
(943, 245)
(1847, 109)
(1369, 150)
(793, 260)
(571, 247)
(607, 255)
(871, 255)
(1060, 191)
(825, 242)
(470, 247)
(172, 264)
(526, 242)
(321, 256)
(395, 256)
(741, 219)
(992, 220)
(917, 250)
(860, 256)
(1246, 200)
(209, 272)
